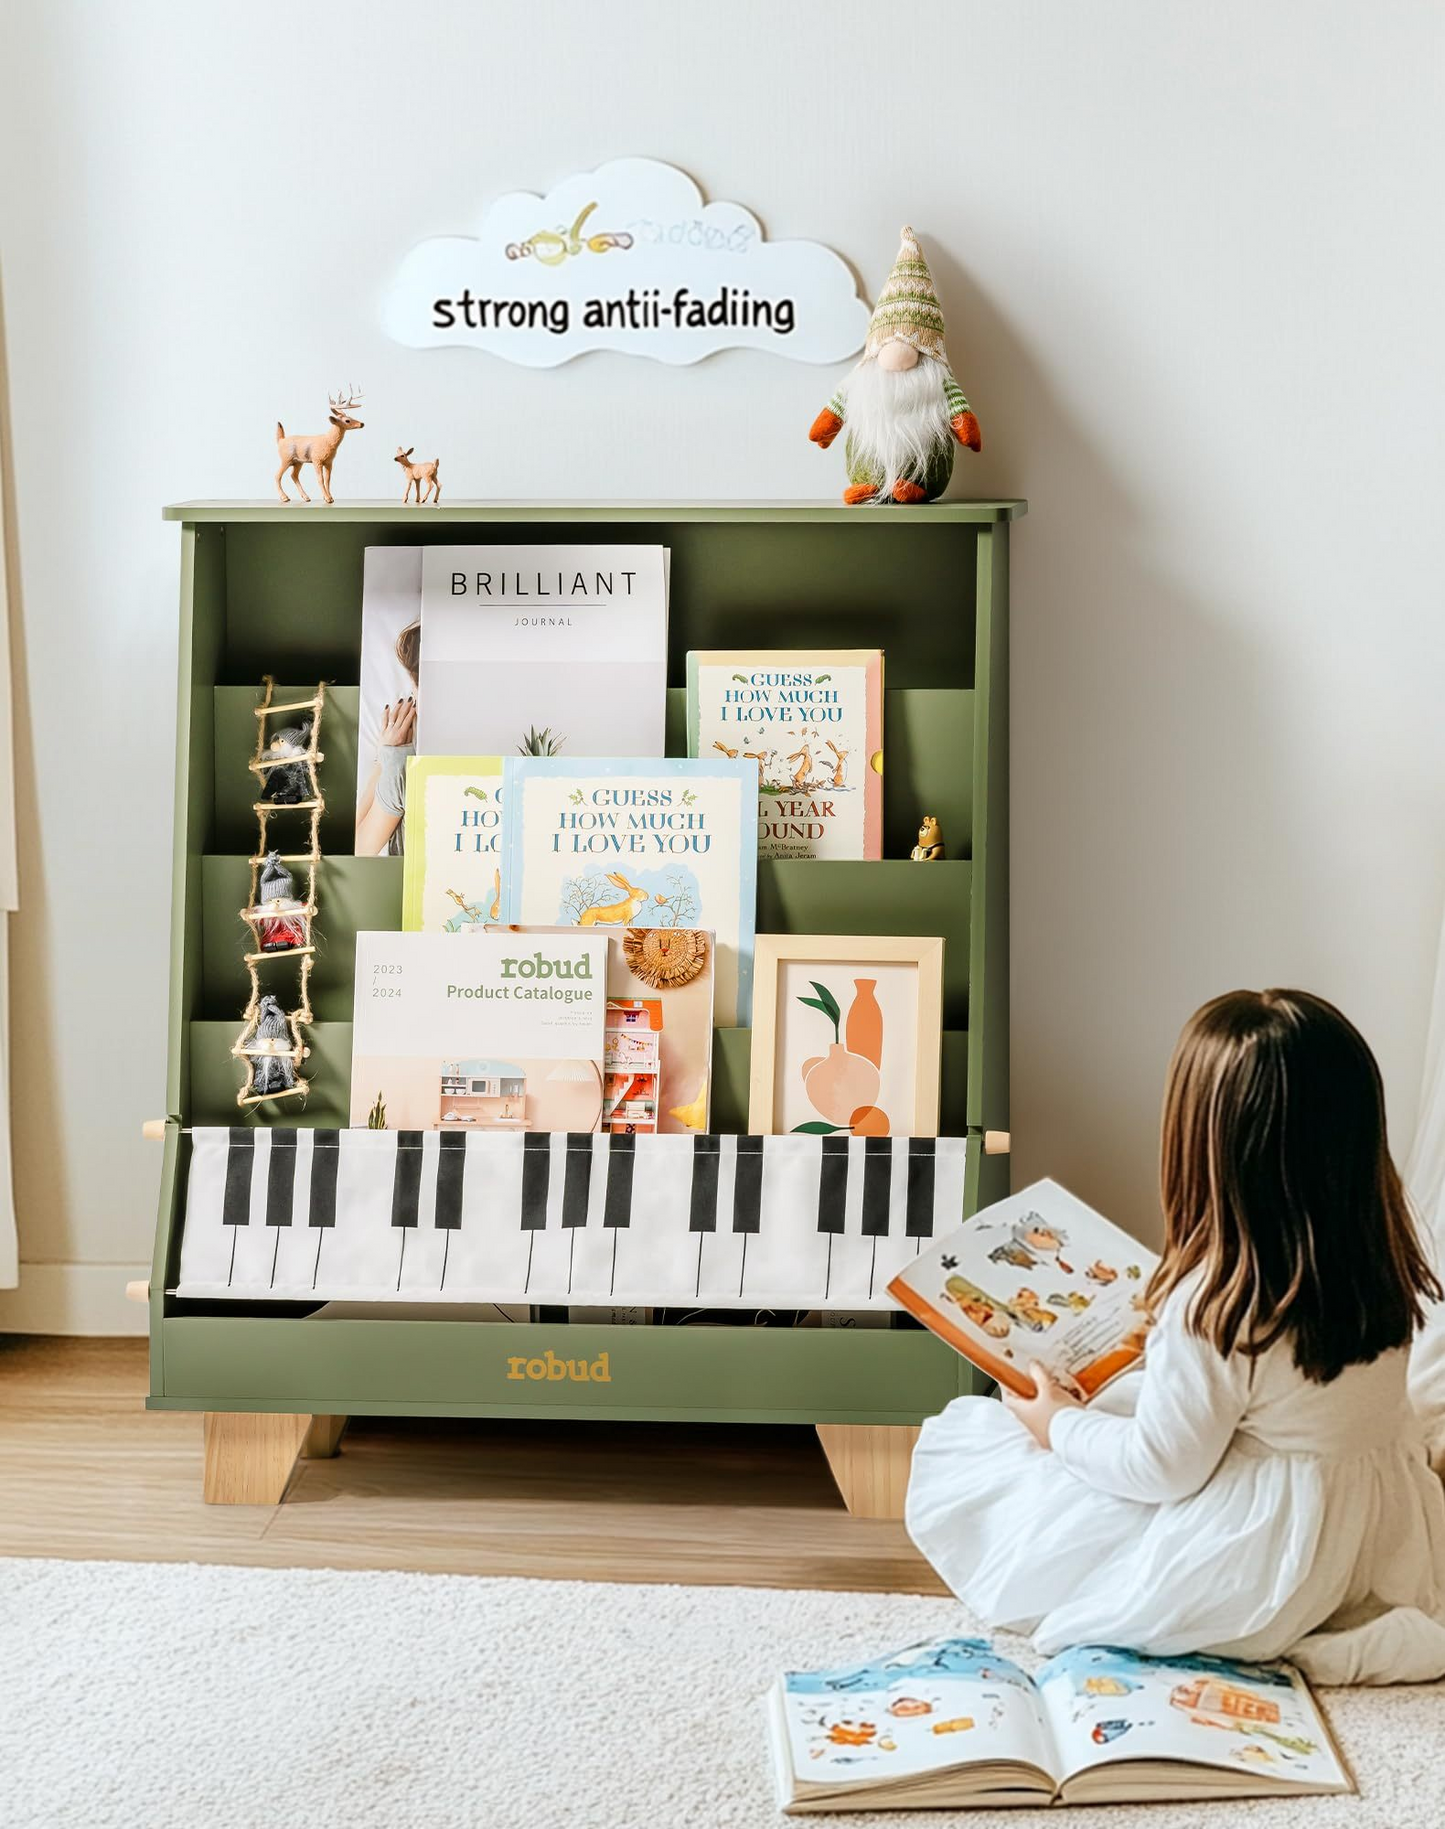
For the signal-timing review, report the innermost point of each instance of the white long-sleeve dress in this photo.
(1202, 1504)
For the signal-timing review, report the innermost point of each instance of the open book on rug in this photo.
(951, 1724)
(1038, 1275)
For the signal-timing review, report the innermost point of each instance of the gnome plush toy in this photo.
(901, 404)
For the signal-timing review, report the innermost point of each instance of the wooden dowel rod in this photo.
(996, 1143)
(263, 764)
(138, 1290)
(268, 711)
(154, 1130)
(291, 1092)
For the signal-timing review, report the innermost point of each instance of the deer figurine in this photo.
(416, 475)
(619, 914)
(316, 448)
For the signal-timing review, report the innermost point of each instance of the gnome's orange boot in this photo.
(859, 492)
(908, 492)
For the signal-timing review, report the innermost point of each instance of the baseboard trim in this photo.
(74, 1299)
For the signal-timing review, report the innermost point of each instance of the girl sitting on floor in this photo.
(1260, 1487)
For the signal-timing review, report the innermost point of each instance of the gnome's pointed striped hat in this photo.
(908, 307)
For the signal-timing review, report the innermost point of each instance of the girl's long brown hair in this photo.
(1278, 1188)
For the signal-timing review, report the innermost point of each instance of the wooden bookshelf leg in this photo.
(870, 1464)
(323, 1438)
(249, 1457)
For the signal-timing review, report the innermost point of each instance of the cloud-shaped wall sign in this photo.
(626, 257)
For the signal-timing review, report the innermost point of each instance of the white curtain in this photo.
(1425, 1178)
(9, 1248)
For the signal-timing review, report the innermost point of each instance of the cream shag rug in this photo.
(149, 1696)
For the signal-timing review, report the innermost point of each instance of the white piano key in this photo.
(787, 1252)
(551, 1248)
(717, 1277)
(489, 1250)
(656, 1253)
(420, 1262)
(295, 1248)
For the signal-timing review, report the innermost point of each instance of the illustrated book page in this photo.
(637, 842)
(812, 721)
(1038, 1275)
(901, 1727)
(1255, 1727)
(670, 968)
(500, 1034)
(543, 649)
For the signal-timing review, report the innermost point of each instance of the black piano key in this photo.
(451, 1168)
(325, 1158)
(877, 1185)
(240, 1159)
(702, 1213)
(577, 1179)
(833, 1184)
(918, 1222)
(281, 1178)
(406, 1182)
(536, 1157)
(617, 1206)
(748, 1186)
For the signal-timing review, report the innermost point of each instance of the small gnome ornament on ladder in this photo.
(291, 785)
(272, 1073)
(279, 919)
(902, 407)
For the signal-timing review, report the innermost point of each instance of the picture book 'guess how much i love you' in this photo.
(1038, 1275)
(812, 723)
(637, 843)
(952, 1722)
(451, 876)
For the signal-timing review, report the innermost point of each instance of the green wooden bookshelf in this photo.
(269, 589)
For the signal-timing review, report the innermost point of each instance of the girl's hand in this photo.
(398, 722)
(1037, 1412)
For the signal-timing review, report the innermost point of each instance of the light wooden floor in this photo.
(89, 1472)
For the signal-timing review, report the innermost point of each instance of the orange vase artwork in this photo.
(842, 1085)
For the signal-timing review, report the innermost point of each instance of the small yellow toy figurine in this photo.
(929, 849)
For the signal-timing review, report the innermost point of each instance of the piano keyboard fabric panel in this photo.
(720, 1221)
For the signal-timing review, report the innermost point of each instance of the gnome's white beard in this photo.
(897, 421)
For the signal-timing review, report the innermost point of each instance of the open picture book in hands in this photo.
(1037, 1276)
(951, 1723)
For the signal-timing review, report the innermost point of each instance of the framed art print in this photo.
(847, 1033)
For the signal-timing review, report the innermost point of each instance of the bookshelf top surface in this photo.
(392, 512)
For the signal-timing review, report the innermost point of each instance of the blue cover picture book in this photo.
(637, 841)
(953, 1723)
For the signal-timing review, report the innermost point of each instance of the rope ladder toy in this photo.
(271, 1043)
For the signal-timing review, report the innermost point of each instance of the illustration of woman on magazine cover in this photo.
(381, 804)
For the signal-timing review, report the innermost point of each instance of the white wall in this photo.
(1191, 262)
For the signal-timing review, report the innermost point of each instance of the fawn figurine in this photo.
(417, 474)
(316, 448)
